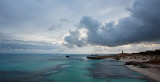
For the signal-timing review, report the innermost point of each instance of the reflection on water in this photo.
(58, 68)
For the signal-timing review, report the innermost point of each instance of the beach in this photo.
(150, 72)
(147, 63)
(153, 71)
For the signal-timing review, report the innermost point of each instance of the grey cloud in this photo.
(19, 44)
(143, 25)
(55, 27)
(64, 20)
(69, 45)
(58, 25)
(74, 38)
(52, 28)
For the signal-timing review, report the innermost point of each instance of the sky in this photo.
(79, 26)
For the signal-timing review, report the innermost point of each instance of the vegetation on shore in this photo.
(148, 57)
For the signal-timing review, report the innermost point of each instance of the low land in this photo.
(147, 63)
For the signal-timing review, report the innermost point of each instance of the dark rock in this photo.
(67, 56)
(139, 64)
(95, 58)
(143, 66)
(116, 58)
(131, 63)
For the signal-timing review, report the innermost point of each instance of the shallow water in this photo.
(58, 68)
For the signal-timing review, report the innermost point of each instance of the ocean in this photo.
(58, 68)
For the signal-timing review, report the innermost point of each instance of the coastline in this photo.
(147, 63)
(152, 72)
(149, 72)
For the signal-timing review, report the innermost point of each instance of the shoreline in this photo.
(147, 72)
(152, 72)
(147, 63)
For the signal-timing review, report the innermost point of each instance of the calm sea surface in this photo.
(58, 68)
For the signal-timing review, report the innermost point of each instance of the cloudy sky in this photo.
(79, 26)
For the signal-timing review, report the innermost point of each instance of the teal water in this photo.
(58, 68)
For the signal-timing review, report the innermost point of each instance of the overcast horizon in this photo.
(79, 26)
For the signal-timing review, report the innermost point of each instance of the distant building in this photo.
(122, 51)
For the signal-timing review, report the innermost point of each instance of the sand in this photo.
(152, 72)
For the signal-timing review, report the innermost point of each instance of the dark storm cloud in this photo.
(143, 25)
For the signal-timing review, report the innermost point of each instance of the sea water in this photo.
(58, 68)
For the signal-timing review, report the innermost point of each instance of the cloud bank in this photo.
(143, 25)
(19, 44)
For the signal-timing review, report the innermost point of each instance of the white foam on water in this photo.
(50, 72)
(65, 66)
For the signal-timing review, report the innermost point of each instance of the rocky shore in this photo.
(147, 63)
